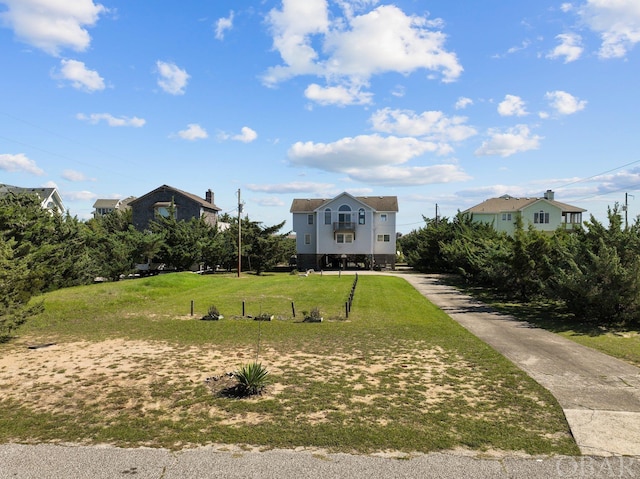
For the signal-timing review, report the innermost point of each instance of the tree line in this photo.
(593, 271)
(42, 251)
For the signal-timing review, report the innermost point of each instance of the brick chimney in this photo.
(549, 195)
(209, 196)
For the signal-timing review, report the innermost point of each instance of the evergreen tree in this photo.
(16, 289)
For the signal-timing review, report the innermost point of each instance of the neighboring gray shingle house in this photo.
(544, 214)
(157, 203)
(49, 197)
(105, 206)
(331, 233)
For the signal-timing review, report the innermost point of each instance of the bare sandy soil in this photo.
(62, 377)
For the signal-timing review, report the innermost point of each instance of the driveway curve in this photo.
(600, 395)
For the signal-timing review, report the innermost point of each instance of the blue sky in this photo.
(436, 102)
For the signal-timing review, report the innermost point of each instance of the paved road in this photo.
(600, 395)
(81, 462)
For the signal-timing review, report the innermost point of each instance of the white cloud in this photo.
(224, 24)
(463, 102)
(507, 143)
(80, 76)
(52, 25)
(292, 187)
(386, 39)
(364, 151)
(493, 191)
(398, 91)
(292, 28)
(432, 125)
(512, 105)
(193, 132)
(271, 201)
(566, 7)
(617, 181)
(172, 79)
(410, 176)
(570, 47)
(95, 118)
(523, 46)
(617, 22)
(564, 103)
(337, 95)
(375, 159)
(247, 135)
(347, 50)
(73, 175)
(80, 195)
(19, 162)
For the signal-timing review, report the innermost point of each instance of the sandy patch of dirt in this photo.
(142, 377)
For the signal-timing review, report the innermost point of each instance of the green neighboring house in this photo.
(544, 214)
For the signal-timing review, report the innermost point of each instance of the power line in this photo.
(598, 174)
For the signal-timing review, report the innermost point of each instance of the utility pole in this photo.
(626, 209)
(239, 234)
(436, 213)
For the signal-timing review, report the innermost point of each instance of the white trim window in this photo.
(309, 219)
(383, 217)
(384, 238)
(361, 216)
(344, 216)
(344, 238)
(327, 216)
(541, 217)
(307, 239)
(506, 216)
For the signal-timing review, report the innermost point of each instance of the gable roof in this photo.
(46, 195)
(508, 203)
(115, 203)
(377, 203)
(201, 201)
(106, 203)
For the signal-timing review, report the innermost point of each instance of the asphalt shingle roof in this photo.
(378, 203)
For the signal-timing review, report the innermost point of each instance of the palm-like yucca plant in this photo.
(252, 378)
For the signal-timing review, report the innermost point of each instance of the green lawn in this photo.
(129, 367)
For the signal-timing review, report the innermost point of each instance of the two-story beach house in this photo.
(544, 214)
(165, 198)
(345, 231)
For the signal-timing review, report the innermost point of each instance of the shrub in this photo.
(212, 313)
(252, 379)
(313, 317)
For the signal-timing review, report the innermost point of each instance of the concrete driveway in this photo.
(600, 395)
